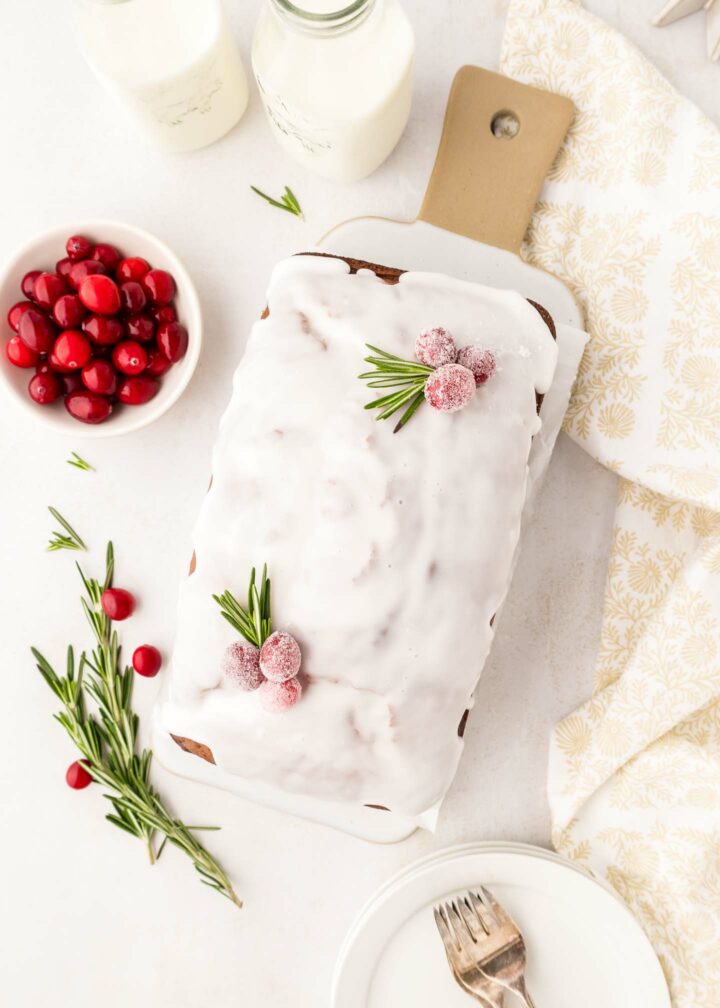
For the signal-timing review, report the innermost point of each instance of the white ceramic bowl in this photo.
(42, 252)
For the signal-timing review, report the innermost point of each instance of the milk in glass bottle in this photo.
(173, 62)
(336, 80)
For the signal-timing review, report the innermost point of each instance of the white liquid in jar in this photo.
(173, 62)
(337, 103)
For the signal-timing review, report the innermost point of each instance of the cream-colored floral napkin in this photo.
(630, 219)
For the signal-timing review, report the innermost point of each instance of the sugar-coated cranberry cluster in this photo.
(271, 669)
(457, 374)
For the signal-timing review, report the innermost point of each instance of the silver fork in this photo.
(483, 990)
(490, 945)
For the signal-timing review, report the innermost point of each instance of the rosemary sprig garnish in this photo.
(107, 739)
(288, 201)
(79, 463)
(255, 622)
(406, 377)
(69, 539)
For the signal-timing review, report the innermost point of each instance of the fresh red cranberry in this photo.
(27, 284)
(69, 311)
(117, 603)
(43, 366)
(140, 327)
(48, 288)
(100, 376)
(71, 382)
(138, 390)
(77, 776)
(89, 407)
(129, 357)
(78, 247)
(56, 365)
(172, 339)
(63, 267)
(36, 330)
(19, 354)
(166, 313)
(100, 294)
(103, 331)
(132, 297)
(108, 255)
(83, 269)
(44, 388)
(157, 364)
(72, 349)
(160, 286)
(146, 660)
(16, 313)
(133, 268)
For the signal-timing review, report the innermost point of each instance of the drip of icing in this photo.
(390, 553)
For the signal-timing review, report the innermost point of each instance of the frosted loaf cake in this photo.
(389, 554)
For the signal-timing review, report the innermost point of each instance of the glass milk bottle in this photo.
(336, 81)
(174, 63)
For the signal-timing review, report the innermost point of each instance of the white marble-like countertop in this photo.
(85, 921)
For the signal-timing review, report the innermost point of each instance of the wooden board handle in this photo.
(485, 186)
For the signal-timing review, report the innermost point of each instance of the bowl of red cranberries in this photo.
(102, 328)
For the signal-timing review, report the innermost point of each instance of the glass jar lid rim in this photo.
(344, 11)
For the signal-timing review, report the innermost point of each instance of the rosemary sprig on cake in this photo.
(255, 622)
(443, 376)
(288, 201)
(67, 539)
(107, 736)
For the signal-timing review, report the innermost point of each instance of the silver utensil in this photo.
(484, 947)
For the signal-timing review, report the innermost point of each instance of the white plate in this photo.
(584, 946)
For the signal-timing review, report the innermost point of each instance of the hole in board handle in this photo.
(505, 125)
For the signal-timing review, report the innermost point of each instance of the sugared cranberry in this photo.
(100, 294)
(241, 665)
(44, 388)
(108, 255)
(88, 407)
(27, 284)
(140, 327)
(133, 268)
(280, 657)
(480, 361)
(138, 390)
(450, 388)
(77, 776)
(36, 330)
(72, 350)
(16, 313)
(78, 247)
(48, 288)
(276, 697)
(20, 355)
(166, 313)
(157, 364)
(146, 660)
(132, 297)
(117, 603)
(68, 311)
(63, 268)
(71, 382)
(100, 376)
(129, 357)
(82, 270)
(103, 331)
(172, 338)
(435, 347)
(160, 286)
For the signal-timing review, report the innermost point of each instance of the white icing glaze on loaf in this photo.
(388, 553)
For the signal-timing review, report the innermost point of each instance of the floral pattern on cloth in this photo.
(629, 218)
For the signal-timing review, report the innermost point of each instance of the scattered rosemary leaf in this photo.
(69, 539)
(288, 201)
(79, 463)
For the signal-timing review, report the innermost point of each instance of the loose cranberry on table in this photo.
(16, 313)
(100, 376)
(160, 286)
(48, 288)
(78, 247)
(146, 660)
(129, 357)
(172, 338)
(22, 356)
(117, 603)
(100, 294)
(27, 284)
(133, 268)
(132, 297)
(72, 349)
(81, 270)
(106, 254)
(69, 311)
(44, 388)
(140, 327)
(88, 407)
(138, 390)
(103, 330)
(36, 330)
(77, 776)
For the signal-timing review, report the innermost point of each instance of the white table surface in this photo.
(84, 920)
